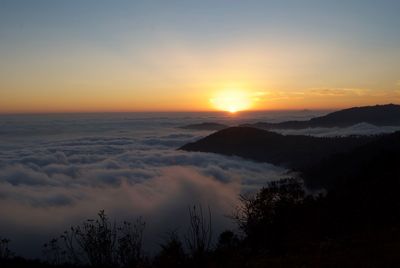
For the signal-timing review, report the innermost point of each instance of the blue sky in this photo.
(141, 49)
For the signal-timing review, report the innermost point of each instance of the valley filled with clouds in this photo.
(57, 171)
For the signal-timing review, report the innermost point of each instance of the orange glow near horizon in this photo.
(232, 100)
(173, 58)
(238, 77)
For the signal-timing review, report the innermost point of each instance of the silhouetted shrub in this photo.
(199, 234)
(172, 253)
(227, 240)
(263, 218)
(53, 252)
(130, 238)
(229, 250)
(99, 244)
(5, 252)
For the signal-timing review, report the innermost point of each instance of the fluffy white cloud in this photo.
(56, 172)
(51, 181)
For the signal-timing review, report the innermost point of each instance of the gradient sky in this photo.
(93, 55)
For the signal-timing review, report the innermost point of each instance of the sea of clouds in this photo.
(58, 170)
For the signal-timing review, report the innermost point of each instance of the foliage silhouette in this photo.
(172, 253)
(262, 217)
(199, 234)
(53, 252)
(5, 252)
(99, 243)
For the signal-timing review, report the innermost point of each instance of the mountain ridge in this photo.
(379, 115)
(292, 151)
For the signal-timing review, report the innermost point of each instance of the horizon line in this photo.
(163, 111)
(184, 111)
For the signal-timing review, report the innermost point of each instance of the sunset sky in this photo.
(92, 55)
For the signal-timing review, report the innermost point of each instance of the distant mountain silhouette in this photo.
(205, 126)
(292, 151)
(379, 115)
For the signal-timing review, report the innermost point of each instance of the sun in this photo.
(231, 101)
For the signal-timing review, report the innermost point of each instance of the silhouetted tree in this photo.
(5, 252)
(172, 253)
(73, 252)
(199, 234)
(99, 243)
(227, 241)
(130, 243)
(263, 217)
(53, 252)
(98, 238)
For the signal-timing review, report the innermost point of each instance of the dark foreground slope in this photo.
(373, 164)
(296, 152)
(379, 115)
(356, 223)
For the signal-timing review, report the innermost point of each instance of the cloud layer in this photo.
(54, 174)
(56, 171)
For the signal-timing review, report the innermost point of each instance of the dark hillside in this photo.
(296, 152)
